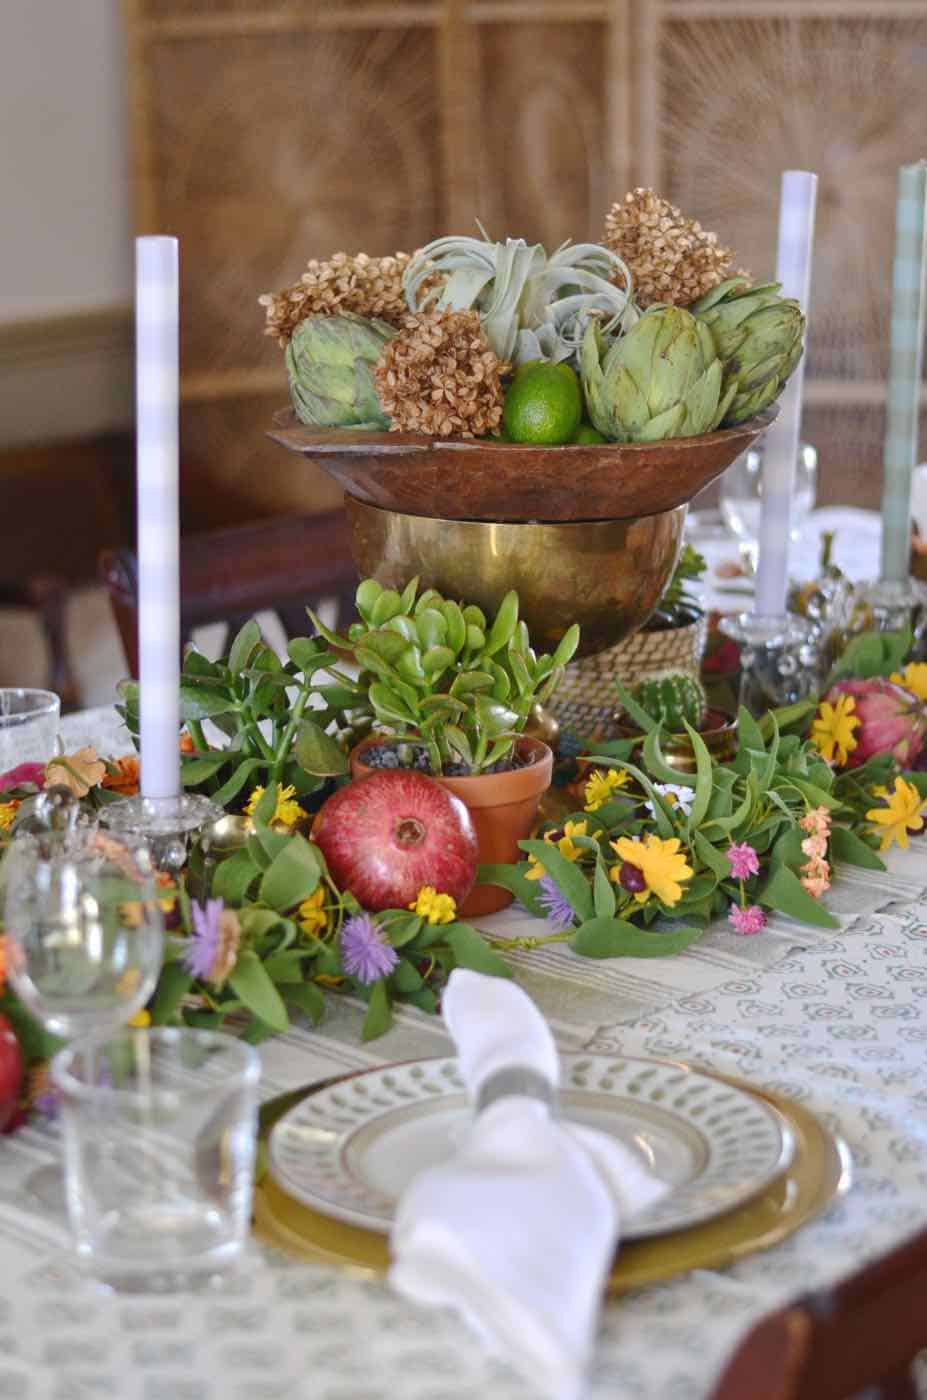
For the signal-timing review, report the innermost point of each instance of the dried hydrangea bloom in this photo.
(344, 282)
(439, 376)
(672, 258)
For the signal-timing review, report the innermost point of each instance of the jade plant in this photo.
(443, 677)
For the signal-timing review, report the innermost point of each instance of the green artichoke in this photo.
(330, 361)
(660, 380)
(758, 335)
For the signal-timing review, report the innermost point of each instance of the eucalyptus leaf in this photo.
(234, 876)
(784, 891)
(292, 876)
(250, 982)
(569, 879)
(617, 938)
(603, 892)
(379, 1015)
(471, 950)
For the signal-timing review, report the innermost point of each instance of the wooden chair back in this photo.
(833, 1344)
(229, 575)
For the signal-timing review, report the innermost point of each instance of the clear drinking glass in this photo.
(84, 928)
(159, 1138)
(742, 496)
(28, 726)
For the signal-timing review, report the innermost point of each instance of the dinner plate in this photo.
(350, 1150)
(820, 1171)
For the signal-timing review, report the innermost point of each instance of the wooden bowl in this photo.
(484, 479)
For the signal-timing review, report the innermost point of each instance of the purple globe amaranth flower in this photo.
(892, 720)
(365, 953)
(744, 860)
(747, 921)
(556, 906)
(200, 956)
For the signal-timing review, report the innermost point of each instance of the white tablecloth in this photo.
(834, 1020)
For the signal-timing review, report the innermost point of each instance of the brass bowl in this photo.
(719, 733)
(485, 479)
(607, 575)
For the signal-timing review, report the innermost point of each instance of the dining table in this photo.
(835, 1020)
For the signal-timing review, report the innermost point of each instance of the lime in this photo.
(544, 403)
(587, 433)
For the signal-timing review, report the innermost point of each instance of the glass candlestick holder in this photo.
(168, 824)
(888, 605)
(779, 659)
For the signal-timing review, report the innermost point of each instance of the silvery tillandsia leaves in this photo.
(662, 379)
(759, 336)
(330, 362)
(531, 306)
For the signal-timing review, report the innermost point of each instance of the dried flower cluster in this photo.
(367, 286)
(440, 377)
(672, 258)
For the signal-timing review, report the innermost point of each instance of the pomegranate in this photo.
(386, 836)
(11, 1072)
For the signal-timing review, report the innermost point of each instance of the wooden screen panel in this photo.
(544, 172)
(744, 99)
(298, 145)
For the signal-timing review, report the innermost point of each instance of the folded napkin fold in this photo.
(518, 1229)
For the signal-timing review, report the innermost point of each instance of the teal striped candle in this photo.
(902, 410)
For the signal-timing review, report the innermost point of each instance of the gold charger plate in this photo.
(819, 1172)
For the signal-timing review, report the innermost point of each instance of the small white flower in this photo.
(678, 796)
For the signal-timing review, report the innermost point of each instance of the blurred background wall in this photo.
(266, 132)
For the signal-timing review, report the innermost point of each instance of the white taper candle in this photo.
(780, 446)
(157, 400)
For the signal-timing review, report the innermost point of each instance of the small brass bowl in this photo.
(227, 835)
(719, 733)
(607, 575)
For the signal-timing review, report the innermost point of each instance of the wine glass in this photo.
(742, 496)
(84, 928)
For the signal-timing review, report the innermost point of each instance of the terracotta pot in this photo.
(718, 729)
(504, 808)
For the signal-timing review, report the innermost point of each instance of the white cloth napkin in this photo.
(518, 1229)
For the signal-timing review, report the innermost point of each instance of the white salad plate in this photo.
(349, 1150)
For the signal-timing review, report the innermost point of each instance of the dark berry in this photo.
(631, 878)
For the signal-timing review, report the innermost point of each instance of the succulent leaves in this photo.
(446, 675)
(531, 306)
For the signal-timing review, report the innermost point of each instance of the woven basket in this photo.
(585, 700)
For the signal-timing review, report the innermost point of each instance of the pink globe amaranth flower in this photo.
(747, 921)
(23, 773)
(892, 720)
(744, 861)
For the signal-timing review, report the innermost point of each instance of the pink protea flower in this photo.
(747, 921)
(744, 861)
(892, 720)
(23, 773)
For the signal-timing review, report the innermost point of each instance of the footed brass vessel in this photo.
(607, 575)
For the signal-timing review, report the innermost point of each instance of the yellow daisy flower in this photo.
(601, 787)
(312, 915)
(436, 908)
(564, 845)
(832, 730)
(902, 813)
(141, 1020)
(287, 812)
(913, 679)
(661, 862)
(7, 813)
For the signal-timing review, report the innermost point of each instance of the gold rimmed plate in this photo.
(819, 1171)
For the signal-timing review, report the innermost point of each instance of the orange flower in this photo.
(78, 771)
(187, 745)
(122, 775)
